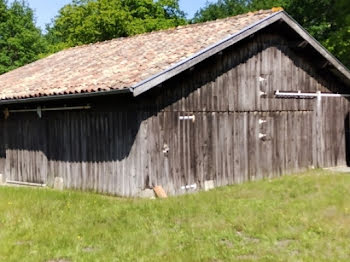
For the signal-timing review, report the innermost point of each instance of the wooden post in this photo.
(318, 134)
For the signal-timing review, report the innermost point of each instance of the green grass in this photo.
(305, 217)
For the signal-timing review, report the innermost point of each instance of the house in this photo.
(216, 103)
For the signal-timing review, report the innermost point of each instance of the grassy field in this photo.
(305, 217)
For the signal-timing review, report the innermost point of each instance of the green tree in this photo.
(88, 21)
(220, 9)
(317, 16)
(338, 41)
(21, 41)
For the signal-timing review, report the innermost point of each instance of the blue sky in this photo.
(45, 10)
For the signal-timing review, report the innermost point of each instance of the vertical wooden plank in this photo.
(242, 85)
(231, 83)
(253, 149)
(228, 145)
(237, 150)
(264, 80)
(205, 147)
(280, 130)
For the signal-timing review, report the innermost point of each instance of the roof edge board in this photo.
(63, 97)
(159, 78)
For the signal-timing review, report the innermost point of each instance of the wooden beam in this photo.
(325, 64)
(302, 44)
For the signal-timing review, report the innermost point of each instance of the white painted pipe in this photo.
(308, 95)
(24, 183)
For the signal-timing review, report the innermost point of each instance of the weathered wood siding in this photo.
(223, 143)
(124, 144)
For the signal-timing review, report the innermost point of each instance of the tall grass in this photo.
(305, 217)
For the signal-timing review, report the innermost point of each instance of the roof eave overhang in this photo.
(64, 97)
(190, 62)
(161, 77)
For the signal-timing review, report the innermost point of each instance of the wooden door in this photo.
(178, 156)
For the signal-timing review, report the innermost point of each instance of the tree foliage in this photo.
(339, 39)
(89, 21)
(327, 20)
(21, 41)
(220, 9)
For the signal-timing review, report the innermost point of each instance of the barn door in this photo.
(26, 159)
(178, 156)
(187, 145)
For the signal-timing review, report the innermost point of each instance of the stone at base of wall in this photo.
(208, 185)
(147, 193)
(58, 183)
(2, 179)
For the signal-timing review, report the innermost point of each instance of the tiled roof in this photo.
(119, 63)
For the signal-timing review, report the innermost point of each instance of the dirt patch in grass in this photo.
(284, 242)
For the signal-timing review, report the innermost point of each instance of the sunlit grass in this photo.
(305, 217)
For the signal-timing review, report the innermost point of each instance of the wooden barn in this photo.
(197, 106)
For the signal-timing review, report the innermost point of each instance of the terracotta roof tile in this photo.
(118, 63)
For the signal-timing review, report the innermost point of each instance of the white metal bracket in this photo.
(193, 118)
(166, 149)
(194, 186)
(262, 136)
(261, 79)
(262, 93)
(261, 121)
(38, 111)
